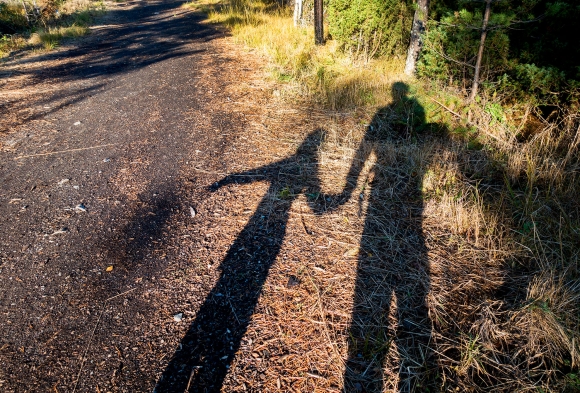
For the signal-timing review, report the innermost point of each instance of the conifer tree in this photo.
(371, 28)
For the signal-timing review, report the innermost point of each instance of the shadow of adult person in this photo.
(205, 352)
(392, 267)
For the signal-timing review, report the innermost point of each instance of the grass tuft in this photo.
(51, 37)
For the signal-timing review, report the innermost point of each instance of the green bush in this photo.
(451, 47)
(512, 70)
(371, 28)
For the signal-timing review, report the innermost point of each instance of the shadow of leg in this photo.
(417, 370)
(205, 352)
(369, 340)
(405, 276)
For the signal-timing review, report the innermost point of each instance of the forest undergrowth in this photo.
(498, 180)
(43, 25)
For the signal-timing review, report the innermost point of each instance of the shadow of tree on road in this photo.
(148, 33)
(142, 36)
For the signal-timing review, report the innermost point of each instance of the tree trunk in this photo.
(419, 22)
(297, 12)
(475, 84)
(318, 20)
(25, 12)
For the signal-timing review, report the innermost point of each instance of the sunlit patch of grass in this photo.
(205, 6)
(51, 37)
(9, 43)
(323, 73)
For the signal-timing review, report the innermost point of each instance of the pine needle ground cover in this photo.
(451, 261)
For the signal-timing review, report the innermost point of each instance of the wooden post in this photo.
(318, 23)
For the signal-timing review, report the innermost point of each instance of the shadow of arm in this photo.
(266, 172)
(334, 201)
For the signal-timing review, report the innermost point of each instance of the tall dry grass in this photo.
(503, 251)
(51, 37)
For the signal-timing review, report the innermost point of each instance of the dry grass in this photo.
(478, 222)
(50, 38)
(11, 43)
(504, 315)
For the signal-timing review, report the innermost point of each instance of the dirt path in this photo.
(111, 143)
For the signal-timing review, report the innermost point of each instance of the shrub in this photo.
(12, 19)
(451, 47)
(371, 28)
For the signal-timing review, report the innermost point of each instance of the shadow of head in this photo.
(311, 145)
(399, 90)
(404, 119)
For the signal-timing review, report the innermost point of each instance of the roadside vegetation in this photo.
(499, 171)
(41, 25)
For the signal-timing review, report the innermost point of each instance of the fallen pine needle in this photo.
(62, 151)
(84, 358)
